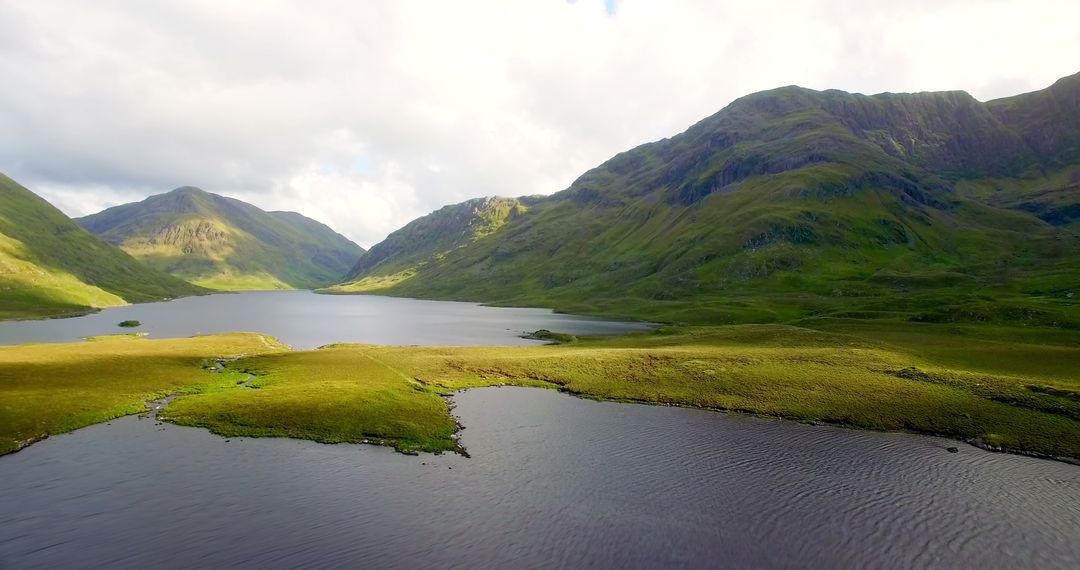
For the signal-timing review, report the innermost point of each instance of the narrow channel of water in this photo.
(554, 481)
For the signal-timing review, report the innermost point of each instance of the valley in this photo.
(901, 263)
(609, 284)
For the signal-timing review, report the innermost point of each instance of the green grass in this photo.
(336, 394)
(873, 381)
(373, 284)
(1012, 388)
(46, 389)
(227, 280)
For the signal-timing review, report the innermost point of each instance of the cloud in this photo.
(366, 115)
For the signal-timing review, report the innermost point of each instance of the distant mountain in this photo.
(224, 243)
(790, 204)
(428, 239)
(51, 266)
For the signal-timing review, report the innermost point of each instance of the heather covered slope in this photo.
(793, 204)
(223, 243)
(50, 266)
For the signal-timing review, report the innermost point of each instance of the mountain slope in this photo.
(223, 243)
(51, 266)
(429, 239)
(794, 203)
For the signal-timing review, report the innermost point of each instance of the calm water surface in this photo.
(304, 319)
(553, 481)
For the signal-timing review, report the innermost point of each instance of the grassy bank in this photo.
(1006, 393)
(1016, 389)
(46, 389)
(335, 394)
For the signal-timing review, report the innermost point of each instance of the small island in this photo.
(129, 324)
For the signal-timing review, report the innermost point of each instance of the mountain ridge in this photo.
(225, 243)
(793, 203)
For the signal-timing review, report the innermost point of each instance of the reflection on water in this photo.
(306, 320)
(553, 481)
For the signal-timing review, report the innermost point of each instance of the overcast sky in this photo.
(365, 115)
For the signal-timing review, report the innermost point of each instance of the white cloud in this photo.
(365, 115)
(343, 200)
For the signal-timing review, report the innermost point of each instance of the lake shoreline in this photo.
(974, 442)
(1020, 404)
(157, 405)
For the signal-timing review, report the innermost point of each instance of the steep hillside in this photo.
(50, 266)
(223, 243)
(428, 240)
(796, 204)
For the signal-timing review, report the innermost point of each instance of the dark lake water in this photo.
(553, 482)
(304, 319)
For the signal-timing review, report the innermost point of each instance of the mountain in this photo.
(50, 266)
(792, 204)
(427, 240)
(223, 243)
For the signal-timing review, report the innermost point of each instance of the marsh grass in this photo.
(1016, 391)
(335, 394)
(390, 394)
(46, 389)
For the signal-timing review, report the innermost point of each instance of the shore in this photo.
(348, 393)
(394, 395)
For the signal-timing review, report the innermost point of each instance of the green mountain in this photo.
(792, 204)
(429, 239)
(223, 243)
(50, 266)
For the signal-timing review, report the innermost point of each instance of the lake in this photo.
(553, 481)
(303, 319)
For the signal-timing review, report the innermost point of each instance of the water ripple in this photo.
(553, 481)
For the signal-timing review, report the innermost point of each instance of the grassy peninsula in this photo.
(1002, 387)
(919, 378)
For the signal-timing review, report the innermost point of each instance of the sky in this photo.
(366, 115)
